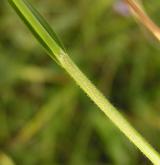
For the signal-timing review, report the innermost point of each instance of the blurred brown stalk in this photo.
(138, 11)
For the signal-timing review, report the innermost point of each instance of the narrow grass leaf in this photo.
(44, 25)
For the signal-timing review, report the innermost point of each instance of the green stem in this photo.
(109, 110)
(85, 84)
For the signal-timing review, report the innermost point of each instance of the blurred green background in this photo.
(45, 119)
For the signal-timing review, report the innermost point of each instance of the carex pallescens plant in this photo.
(49, 40)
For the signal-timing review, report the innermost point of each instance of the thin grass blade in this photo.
(44, 25)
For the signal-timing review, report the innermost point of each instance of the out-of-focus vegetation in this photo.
(44, 116)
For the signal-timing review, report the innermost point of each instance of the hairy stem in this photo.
(109, 110)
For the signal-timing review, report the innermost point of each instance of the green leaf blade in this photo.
(39, 27)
